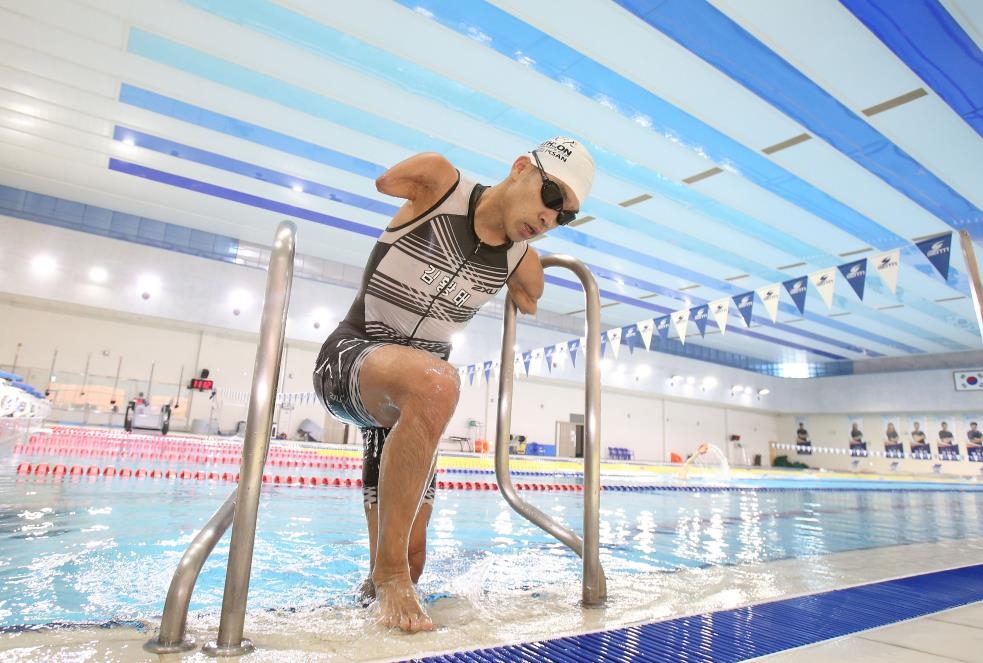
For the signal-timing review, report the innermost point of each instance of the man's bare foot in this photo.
(366, 591)
(397, 606)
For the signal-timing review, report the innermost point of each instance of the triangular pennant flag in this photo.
(488, 369)
(745, 304)
(471, 371)
(700, 315)
(824, 281)
(560, 355)
(680, 320)
(572, 347)
(614, 338)
(604, 343)
(537, 360)
(645, 329)
(526, 358)
(797, 291)
(855, 274)
(720, 310)
(936, 249)
(630, 337)
(548, 352)
(662, 326)
(769, 297)
(887, 265)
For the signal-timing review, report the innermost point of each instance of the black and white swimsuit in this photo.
(424, 281)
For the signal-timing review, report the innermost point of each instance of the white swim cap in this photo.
(568, 161)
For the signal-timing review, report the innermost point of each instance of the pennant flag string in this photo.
(642, 333)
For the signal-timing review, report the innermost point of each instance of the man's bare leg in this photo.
(416, 394)
(417, 554)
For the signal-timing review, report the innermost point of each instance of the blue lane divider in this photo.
(729, 636)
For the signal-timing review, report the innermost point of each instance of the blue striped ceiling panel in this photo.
(611, 212)
(933, 44)
(732, 154)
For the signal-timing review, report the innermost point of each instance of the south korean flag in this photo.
(969, 380)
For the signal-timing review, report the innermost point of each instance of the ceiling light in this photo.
(690, 380)
(98, 275)
(320, 315)
(240, 300)
(736, 388)
(298, 188)
(764, 392)
(148, 285)
(44, 265)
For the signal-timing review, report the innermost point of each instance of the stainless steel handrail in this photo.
(588, 548)
(240, 509)
(973, 267)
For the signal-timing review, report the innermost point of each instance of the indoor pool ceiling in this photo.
(743, 146)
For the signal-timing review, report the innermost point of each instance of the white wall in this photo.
(173, 350)
(641, 409)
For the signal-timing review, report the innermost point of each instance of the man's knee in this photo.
(437, 391)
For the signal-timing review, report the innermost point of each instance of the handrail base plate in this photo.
(214, 650)
(156, 647)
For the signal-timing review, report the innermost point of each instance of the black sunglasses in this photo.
(552, 196)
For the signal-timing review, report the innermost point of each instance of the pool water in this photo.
(98, 550)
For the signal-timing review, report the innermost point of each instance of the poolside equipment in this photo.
(240, 509)
(142, 415)
(594, 585)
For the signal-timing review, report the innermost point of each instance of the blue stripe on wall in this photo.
(708, 33)
(933, 45)
(22, 204)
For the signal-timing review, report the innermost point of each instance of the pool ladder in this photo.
(240, 508)
(594, 585)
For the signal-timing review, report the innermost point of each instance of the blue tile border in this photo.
(753, 631)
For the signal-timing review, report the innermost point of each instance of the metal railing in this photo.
(973, 267)
(588, 548)
(240, 509)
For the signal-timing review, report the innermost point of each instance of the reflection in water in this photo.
(103, 550)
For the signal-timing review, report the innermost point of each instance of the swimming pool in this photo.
(87, 549)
